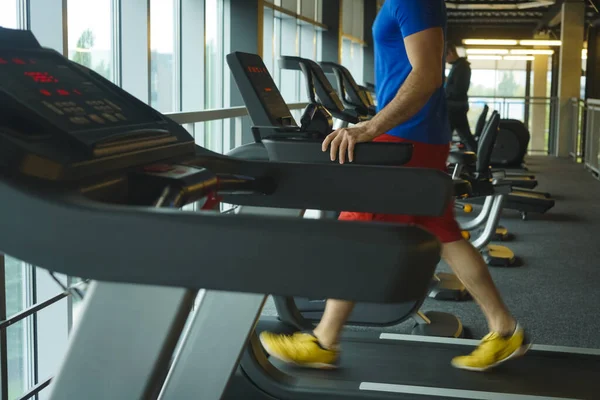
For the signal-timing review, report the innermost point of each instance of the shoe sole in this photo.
(292, 362)
(516, 354)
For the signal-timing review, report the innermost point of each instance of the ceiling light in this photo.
(490, 42)
(531, 51)
(484, 57)
(519, 58)
(487, 51)
(540, 42)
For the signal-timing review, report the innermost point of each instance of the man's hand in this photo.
(342, 141)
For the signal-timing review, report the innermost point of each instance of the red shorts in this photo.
(424, 155)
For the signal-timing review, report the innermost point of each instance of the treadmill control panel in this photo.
(262, 89)
(63, 94)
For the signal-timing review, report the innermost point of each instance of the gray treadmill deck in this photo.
(419, 364)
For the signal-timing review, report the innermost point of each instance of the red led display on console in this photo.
(3, 61)
(62, 92)
(41, 77)
(45, 93)
(257, 70)
(77, 92)
(18, 61)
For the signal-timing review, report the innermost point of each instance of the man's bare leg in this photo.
(470, 267)
(334, 317)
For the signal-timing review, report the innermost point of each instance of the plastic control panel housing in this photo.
(56, 115)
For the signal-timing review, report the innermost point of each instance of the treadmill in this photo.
(272, 119)
(447, 286)
(103, 177)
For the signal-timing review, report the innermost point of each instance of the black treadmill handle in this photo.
(325, 185)
(310, 151)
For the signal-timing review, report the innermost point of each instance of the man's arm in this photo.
(425, 51)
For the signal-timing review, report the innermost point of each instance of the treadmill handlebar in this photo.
(350, 90)
(323, 185)
(317, 83)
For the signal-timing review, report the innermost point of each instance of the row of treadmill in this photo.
(93, 184)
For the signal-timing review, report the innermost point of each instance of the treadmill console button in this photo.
(80, 120)
(53, 108)
(110, 117)
(97, 119)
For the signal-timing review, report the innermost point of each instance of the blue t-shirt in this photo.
(397, 20)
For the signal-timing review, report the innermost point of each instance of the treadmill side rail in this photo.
(118, 347)
(219, 332)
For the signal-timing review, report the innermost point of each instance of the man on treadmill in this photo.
(457, 86)
(409, 38)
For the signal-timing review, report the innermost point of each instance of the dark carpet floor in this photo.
(555, 294)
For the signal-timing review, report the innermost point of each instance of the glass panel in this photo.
(8, 14)
(358, 66)
(269, 39)
(277, 23)
(289, 47)
(162, 68)
(213, 131)
(319, 10)
(308, 49)
(291, 5)
(19, 357)
(352, 58)
(90, 35)
(347, 17)
(358, 18)
(308, 9)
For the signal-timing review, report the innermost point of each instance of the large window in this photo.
(91, 35)
(353, 37)
(499, 84)
(8, 13)
(163, 72)
(293, 32)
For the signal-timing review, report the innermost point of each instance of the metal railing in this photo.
(226, 137)
(577, 124)
(591, 136)
(524, 109)
(221, 138)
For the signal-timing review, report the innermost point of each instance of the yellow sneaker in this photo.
(493, 350)
(301, 348)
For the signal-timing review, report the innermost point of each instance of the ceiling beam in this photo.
(551, 17)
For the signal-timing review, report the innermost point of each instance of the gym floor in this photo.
(555, 294)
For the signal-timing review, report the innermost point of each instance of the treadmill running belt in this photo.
(539, 373)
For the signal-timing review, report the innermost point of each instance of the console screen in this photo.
(263, 83)
(58, 91)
